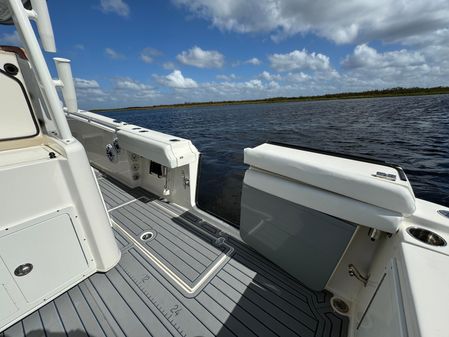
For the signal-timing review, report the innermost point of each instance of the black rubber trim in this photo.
(36, 125)
(399, 169)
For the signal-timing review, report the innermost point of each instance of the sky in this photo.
(130, 53)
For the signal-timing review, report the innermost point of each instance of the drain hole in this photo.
(426, 236)
(146, 236)
(340, 306)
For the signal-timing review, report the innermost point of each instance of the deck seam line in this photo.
(126, 203)
(42, 323)
(166, 237)
(169, 287)
(267, 274)
(237, 305)
(177, 231)
(126, 278)
(175, 278)
(127, 303)
(201, 230)
(200, 302)
(174, 230)
(263, 309)
(95, 297)
(59, 316)
(164, 258)
(89, 305)
(114, 192)
(248, 311)
(77, 313)
(111, 313)
(267, 299)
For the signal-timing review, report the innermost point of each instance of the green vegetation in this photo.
(344, 95)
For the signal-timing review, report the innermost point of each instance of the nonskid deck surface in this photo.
(189, 279)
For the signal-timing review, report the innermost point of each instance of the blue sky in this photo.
(151, 52)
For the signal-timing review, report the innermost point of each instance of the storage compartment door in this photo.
(52, 249)
(306, 243)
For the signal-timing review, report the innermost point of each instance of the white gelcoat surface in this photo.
(426, 289)
(347, 177)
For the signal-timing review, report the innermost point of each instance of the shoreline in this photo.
(396, 92)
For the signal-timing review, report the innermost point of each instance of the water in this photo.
(410, 131)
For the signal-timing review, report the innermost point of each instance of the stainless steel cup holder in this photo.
(426, 236)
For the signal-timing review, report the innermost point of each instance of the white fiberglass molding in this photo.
(21, 17)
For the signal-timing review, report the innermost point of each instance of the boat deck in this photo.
(187, 279)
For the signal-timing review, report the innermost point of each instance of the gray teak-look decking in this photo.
(189, 279)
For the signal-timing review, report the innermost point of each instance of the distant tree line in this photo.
(398, 91)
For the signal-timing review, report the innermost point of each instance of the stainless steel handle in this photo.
(23, 269)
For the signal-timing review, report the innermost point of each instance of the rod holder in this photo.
(66, 83)
(39, 13)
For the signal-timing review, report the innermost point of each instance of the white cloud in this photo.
(229, 77)
(128, 89)
(118, 7)
(339, 21)
(438, 37)
(111, 53)
(269, 77)
(130, 84)
(407, 68)
(11, 39)
(230, 90)
(273, 85)
(200, 58)
(308, 74)
(89, 91)
(176, 80)
(254, 84)
(298, 77)
(124, 91)
(169, 66)
(299, 60)
(79, 46)
(254, 61)
(366, 57)
(81, 83)
(148, 54)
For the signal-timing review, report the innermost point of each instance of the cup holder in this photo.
(147, 236)
(426, 236)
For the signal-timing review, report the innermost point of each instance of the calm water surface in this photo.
(410, 131)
